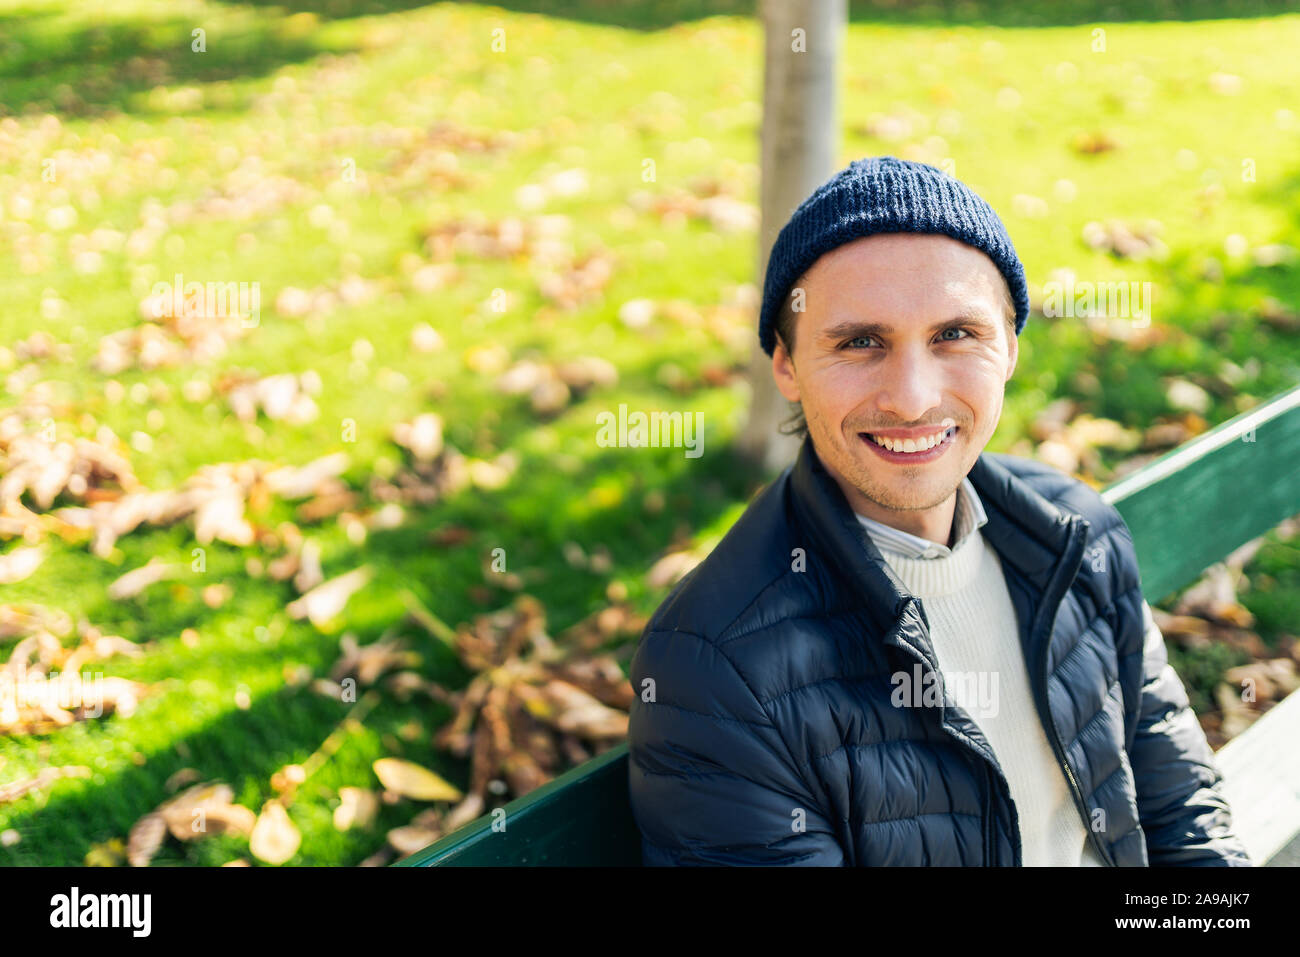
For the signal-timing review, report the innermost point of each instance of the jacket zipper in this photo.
(1052, 600)
(989, 770)
(988, 820)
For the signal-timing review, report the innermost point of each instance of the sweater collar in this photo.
(1030, 533)
(968, 516)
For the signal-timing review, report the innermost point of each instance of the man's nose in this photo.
(910, 385)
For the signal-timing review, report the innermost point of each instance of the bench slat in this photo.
(1261, 775)
(1199, 502)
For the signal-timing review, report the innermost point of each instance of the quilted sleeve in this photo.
(1183, 812)
(710, 778)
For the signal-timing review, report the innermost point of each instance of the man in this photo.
(908, 650)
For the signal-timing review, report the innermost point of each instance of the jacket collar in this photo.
(1031, 534)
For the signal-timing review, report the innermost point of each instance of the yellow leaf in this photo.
(111, 853)
(413, 781)
(275, 839)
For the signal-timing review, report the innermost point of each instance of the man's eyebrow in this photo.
(852, 328)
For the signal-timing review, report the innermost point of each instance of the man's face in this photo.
(900, 333)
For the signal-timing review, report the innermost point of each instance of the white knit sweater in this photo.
(974, 632)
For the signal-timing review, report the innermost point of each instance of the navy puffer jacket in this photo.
(764, 732)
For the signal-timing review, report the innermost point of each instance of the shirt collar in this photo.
(968, 517)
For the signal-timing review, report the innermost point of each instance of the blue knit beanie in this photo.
(883, 194)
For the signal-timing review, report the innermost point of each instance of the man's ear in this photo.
(1013, 353)
(783, 372)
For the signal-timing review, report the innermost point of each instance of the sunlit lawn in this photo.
(147, 137)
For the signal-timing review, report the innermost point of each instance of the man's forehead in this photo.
(903, 250)
(907, 272)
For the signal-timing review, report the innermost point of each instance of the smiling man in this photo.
(909, 650)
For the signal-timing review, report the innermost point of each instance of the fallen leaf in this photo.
(137, 580)
(672, 568)
(325, 601)
(211, 802)
(424, 829)
(16, 789)
(145, 838)
(110, 853)
(579, 713)
(357, 808)
(274, 837)
(368, 662)
(20, 563)
(413, 781)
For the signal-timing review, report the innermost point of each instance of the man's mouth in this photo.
(917, 450)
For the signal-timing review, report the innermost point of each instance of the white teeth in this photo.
(911, 445)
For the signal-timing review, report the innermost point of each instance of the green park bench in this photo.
(1187, 510)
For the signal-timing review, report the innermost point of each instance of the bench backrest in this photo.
(1186, 510)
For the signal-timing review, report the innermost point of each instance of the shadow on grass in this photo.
(108, 67)
(82, 70)
(661, 14)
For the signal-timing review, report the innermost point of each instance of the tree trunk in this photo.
(800, 138)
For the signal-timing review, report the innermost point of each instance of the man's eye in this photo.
(966, 334)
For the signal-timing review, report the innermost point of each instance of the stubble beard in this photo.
(847, 460)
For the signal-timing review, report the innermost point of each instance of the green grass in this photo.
(138, 125)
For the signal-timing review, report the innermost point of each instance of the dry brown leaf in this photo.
(587, 372)
(20, 563)
(180, 778)
(358, 808)
(17, 621)
(380, 858)
(177, 811)
(602, 678)
(327, 689)
(137, 580)
(422, 436)
(1237, 715)
(284, 566)
(469, 809)
(327, 505)
(286, 780)
(39, 704)
(79, 468)
(16, 789)
(1188, 630)
(425, 828)
(521, 716)
(1271, 680)
(281, 397)
(274, 839)
(145, 838)
(309, 573)
(368, 662)
(1214, 597)
(325, 601)
(220, 517)
(672, 568)
(1135, 241)
(413, 781)
(304, 481)
(579, 713)
(523, 773)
